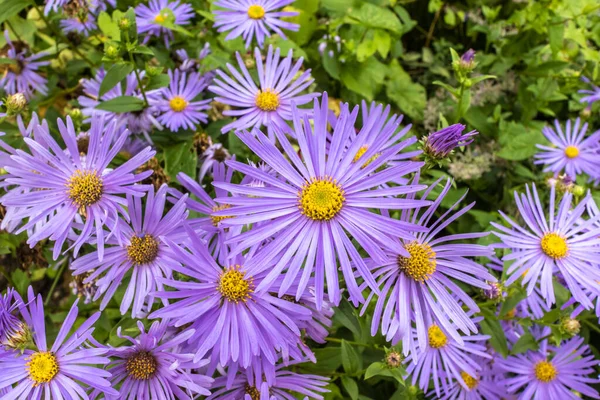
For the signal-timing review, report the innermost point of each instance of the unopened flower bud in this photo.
(438, 145)
(111, 51)
(16, 103)
(570, 326)
(393, 359)
(586, 112)
(124, 23)
(494, 292)
(578, 190)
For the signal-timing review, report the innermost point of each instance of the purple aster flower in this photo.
(22, 76)
(552, 373)
(593, 94)
(83, 24)
(60, 186)
(420, 282)
(12, 330)
(468, 57)
(192, 64)
(248, 384)
(316, 203)
(247, 19)
(177, 103)
(136, 122)
(271, 101)
(141, 249)
(485, 385)
(571, 151)
(445, 360)
(214, 154)
(153, 366)
(65, 370)
(561, 242)
(156, 18)
(438, 145)
(233, 321)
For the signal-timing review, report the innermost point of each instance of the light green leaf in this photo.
(373, 16)
(410, 97)
(114, 75)
(10, 8)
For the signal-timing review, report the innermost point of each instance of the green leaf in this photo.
(525, 342)
(410, 97)
(373, 16)
(108, 26)
(158, 81)
(21, 281)
(10, 8)
(140, 49)
(511, 301)
(350, 358)
(7, 61)
(122, 104)
(366, 48)
(351, 387)
(491, 326)
(181, 157)
(518, 142)
(375, 369)
(345, 315)
(364, 78)
(383, 41)
(114, 75)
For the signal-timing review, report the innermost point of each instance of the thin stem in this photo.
(336, 340)
(56, 278)
(13, 30)
(139, 80)
(460, 101)
(432, 26)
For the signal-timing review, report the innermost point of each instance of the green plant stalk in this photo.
(139, 80)
(56, 279)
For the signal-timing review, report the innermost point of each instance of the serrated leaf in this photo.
(409, 96)
(122, 104)
(113, 76)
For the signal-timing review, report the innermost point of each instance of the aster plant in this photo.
(22, 75)
(161, 17)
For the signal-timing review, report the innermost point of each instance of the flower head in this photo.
(571, 152)
(269, 102)
(177, 103)
(159, 16)
(14, 334)
(485, 385)
(69, 367)
(140, 248)
(592, 94)
(438, 145)
(247, 19)
(67, 191)
(21, 75)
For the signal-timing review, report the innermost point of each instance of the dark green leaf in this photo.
(525, 342)
(491, 326)
(122, 104)
(114, 75)
(10, 8)
(350, 386)
(374, 16)
(350, 358)
(158, 81)
(181, 158)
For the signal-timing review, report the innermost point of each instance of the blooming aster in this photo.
(58, 185)
(83, 24)
(233, 321)
(177, 101)
(485, 385)
(422, 283)
(562, 242)
(316, 203)
(154, 367)
(269, 102)
(249, 384)
(158, 17)
(571, 151)
(22, 76)
(66, 370)
(214, 154)
(11, 327)
(249, 18)
(592, 94)
(552, 373)
(140, 248)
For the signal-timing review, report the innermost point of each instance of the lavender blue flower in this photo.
(65, 370)
(82, 25)
(486, 385)
(422, 285)
(139, 247)
(571, 151)
(177, 103)
(269, 103)
(593, 94)
(214, 154)
(248, 19)
(562, 242)
(317, 203)
(438, 145)
(552, 373)
(154, 366)
(158, 17)
(22, 76)
(11, 327)
(60, 187)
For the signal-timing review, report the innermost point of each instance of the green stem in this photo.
(14, 31)
(591, 325)
(336, 340)
(56, 279)
(139, 80)
(460, 101)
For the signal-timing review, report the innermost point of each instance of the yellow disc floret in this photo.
(256, 12)
(321, 199)
(234, 286)
(178, 104)
(554, 246)
(571, 151)
(361, 152)
(267, 100)
(437, 338)
(142, 249)
(84, 187)
(216, 219)
(469, 380)
(421, 264)
(545, 371)
(141, 365)
(42, 367)
(160, 18)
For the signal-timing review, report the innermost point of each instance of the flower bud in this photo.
(578, 190)
(494, 292)
(111, 51)
(124, 23)
(570, 326)
(393, 359)
(16, 103)
(438, 145)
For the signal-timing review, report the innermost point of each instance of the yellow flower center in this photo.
(321, 199)
(361, 152)
(554, 246)
(256, 12)
(437, 338)
(216, 219)
(421, 264)
(571, 151)
(234, 286)
(545, 371)
(253, 392)
(141, 365)
(142, 250)
(85, 187)
(267, 100)
(469, 380)
(42, 367)
(178, 104)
